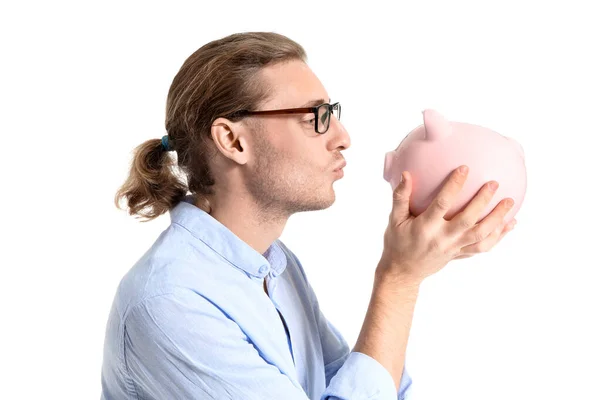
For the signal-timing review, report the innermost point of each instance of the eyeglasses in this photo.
(321, 112)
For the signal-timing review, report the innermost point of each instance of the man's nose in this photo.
(339, 135)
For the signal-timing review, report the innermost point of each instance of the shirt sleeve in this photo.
(182, 346)
(353, 375)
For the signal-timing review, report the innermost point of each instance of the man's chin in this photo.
(321, 204)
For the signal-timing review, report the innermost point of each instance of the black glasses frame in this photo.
(304, 110)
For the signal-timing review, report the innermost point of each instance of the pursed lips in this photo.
(342, 165)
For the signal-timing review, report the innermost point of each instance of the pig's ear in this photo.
(436, 126)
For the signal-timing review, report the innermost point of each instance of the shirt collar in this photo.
(223, 241)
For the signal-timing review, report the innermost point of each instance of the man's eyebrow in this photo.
(314, 103)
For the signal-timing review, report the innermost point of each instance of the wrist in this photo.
(390, 273)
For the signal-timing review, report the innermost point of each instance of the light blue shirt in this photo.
(191, 320)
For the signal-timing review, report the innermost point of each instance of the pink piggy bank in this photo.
(433, 150)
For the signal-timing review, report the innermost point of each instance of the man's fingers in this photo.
(470, 215)
(489, 242)
(447, 195)
(492, 221)
(401, 199)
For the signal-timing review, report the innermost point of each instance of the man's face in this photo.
(292, 168)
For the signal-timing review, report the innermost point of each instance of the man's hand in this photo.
(417, 247)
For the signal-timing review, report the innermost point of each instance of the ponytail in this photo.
(152, 187)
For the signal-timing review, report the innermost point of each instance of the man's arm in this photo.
(417, 247)
(385, 331)
(181, 346)
(337, 355)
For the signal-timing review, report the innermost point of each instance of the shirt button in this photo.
(263, 269)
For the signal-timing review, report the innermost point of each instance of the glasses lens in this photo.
(324, 116)
(337, 110)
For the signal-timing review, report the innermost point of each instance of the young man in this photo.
(220, 308)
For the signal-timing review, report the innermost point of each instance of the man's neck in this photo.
(242, 217)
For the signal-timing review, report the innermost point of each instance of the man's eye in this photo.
(309, 121)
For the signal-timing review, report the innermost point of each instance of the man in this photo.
(220, 308)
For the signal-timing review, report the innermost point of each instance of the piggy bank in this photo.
(433, 150)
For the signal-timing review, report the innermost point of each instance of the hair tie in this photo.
(165, 143)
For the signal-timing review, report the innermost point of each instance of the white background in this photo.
(83, 83)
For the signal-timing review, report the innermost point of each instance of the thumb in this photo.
(401, 199)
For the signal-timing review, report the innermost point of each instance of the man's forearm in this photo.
(385, 331)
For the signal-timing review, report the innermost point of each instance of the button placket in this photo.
(271, 286)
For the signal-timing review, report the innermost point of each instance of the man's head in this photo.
(284, 163)
(277, 161)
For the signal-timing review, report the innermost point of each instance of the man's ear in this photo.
(230, 139)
